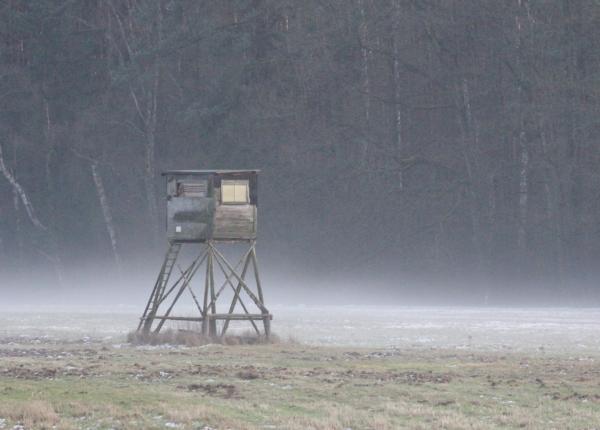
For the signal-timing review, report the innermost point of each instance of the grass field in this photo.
(95, 384)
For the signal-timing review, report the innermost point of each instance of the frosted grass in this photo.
(517, 329)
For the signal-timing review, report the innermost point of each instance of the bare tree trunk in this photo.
(145, 101)
(151, 147)
(148, 113)
(399, 144)
(467, 157)
(470, 143)
(491, 220)
(552, 194)
(569, 153)
(364, 51)
(53, 254)
(107, 214)
(523, 162)
(3, 253)
(363, 31)
(18, 189)
(18, 232)
(523, 194)
(17, 206)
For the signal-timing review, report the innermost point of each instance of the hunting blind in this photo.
(207, 207)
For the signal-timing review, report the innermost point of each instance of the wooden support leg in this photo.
(206, 288)
(267, 323)
(267, 316)
(212, 332)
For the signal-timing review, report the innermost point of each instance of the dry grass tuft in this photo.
(249, 338)
(34, 413)
(171, 337)
(200, 416)
(194, 338)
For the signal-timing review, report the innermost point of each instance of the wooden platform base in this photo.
(164, 295)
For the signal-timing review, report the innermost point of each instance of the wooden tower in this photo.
(209, 208)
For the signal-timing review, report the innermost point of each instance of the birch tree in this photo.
(20, 192)
(140, 35)
(522, 144)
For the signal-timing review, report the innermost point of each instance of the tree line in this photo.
(435, 136)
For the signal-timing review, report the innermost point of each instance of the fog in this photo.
(89, 287)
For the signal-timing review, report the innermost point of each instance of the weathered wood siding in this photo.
(189, 219)
(235, 222)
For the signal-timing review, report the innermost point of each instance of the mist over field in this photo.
(524, 330)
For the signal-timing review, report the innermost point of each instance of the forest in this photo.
(446, 138)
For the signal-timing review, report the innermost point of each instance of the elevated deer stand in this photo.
(207, 207)
(163, 299)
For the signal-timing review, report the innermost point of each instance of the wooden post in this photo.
(206, 287)
(212, 322)
(267, 316)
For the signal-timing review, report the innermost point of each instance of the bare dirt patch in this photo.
(46, 353)
(33, 373)
(226, 391)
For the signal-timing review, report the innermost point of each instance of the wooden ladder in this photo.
(160, 286)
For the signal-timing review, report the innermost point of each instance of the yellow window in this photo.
(235, 192)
